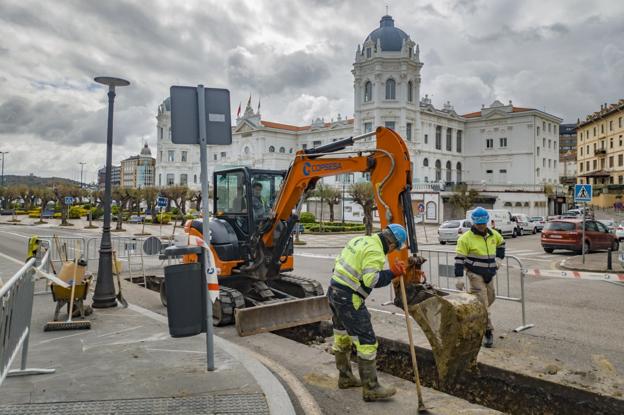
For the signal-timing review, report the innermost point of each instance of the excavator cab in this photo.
(244, 199)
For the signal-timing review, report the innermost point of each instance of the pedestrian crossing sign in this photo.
(582, 192)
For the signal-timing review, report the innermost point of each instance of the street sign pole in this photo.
(583, 239)
(203, 159)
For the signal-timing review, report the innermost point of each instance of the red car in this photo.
(568, 234)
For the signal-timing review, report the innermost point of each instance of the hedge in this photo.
(165, 218)
(316, 227)
(307, 217)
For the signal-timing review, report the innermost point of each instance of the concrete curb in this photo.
(276, 395)
(565, 266)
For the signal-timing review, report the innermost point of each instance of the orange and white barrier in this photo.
(579, 275)
(213, 280)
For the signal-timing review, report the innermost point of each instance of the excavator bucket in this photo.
(454, 323)
(281, 315)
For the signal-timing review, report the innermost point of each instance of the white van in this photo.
(500, 220)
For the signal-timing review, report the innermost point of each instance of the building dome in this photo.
(390, 37)
(146, 152)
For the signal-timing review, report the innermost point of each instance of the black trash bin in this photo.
(186, 294)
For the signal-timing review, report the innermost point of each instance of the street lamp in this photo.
(2, 182)
(104, 295)
(82, 163)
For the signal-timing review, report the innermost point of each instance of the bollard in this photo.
(609, 260)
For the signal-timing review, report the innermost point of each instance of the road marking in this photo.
(15, 234)
(320, 256)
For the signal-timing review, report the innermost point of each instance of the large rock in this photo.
(454, 325)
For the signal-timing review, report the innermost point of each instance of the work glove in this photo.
(398, 268)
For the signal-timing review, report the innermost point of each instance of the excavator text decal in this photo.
(308, 167)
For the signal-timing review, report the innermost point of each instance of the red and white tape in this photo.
(579, 275)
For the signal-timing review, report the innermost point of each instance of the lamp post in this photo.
(82, 163)
(2, 182)
(104, 295)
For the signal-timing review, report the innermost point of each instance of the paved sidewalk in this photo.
(127, 363)
(596, 262)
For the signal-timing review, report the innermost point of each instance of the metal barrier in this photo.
(508, 284)
(16, 303)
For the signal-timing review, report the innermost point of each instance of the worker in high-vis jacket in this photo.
(480, 251)
(359, 268)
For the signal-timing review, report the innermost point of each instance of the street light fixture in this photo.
(2, 182)
(104, 296)
(82, 163)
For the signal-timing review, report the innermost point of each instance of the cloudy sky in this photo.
(566, 57)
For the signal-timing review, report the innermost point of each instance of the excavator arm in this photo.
(390, 173)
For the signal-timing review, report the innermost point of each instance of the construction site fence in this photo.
(508, 283)
(16, 305)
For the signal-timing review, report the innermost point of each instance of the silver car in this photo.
(451, 230)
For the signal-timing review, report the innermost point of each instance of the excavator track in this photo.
(296, 286)
(223, 309)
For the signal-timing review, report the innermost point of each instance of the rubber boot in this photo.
(371, 389)
(346, 378)
(488, 339)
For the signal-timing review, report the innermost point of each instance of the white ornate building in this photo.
(500, 148)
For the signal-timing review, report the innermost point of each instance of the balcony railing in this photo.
(601, 152)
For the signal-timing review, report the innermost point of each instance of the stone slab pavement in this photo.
(127, 363)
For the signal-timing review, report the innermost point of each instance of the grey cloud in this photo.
(270, 72)
(64, 123)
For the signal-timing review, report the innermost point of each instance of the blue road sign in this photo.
(69, 200)
(161, 201)
(582, 192)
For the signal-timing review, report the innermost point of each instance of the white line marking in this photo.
(176, 351)
(15, 234)
(119, 331)
(319, 256)
(61, 337)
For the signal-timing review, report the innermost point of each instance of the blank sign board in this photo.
(185, 115)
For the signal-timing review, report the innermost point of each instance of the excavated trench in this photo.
(487, 385)
(490, 386)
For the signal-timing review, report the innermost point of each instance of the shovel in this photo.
(119, 296)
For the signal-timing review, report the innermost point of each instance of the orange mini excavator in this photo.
(256, 211)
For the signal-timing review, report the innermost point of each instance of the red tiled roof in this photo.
(478, 113)
(288, 127)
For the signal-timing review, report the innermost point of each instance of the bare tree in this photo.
(45, 195)
(463, 198)
(121, 195)
(61, 191)
(362, 194)
(329, 195)
(150, 194)
(178, 195)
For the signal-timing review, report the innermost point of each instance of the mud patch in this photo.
(321, 380)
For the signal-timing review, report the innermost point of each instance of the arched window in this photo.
(410, 91)
(194, 178)
(390, 89)
(438, 170)
(426, 162)
(282, 150)
(368, 91)
(271, 149)
(449, 169)
(459, 172)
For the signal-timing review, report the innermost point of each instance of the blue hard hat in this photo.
(480, 216)
(399, 233)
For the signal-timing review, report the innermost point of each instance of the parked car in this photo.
(537, 223)
(136, 219)
(609, 223)
(47, 214)
(451, 230)
(619, 231)
(7, 212)
(500, 220)
(568, 234)
(522, 223)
